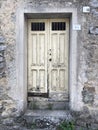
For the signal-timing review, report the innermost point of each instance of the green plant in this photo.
(50, 106)
(33, 105)
(33, 126)
(67, 126)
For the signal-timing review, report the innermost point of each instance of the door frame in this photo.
(23, 14)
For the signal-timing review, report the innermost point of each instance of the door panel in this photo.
(48, 57)
(42, 49)
(37, 57)
(61, 48)
(59, 59)
(54, 47)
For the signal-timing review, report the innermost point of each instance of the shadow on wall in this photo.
(2, 57)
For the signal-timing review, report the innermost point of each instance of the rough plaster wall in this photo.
(88, 73)
(87, 84)
(7, 32)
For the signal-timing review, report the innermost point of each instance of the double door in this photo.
(48, 45)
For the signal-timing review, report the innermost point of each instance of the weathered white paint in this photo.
(37, 58)
(48, 59)
(21, 88)
(58, 67)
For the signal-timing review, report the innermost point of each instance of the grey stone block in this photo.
(2, 61)
(94, 3)
(2, 65)
(94, 30)
(95, 12)
(2, 39)
(88, 95)
(2, 48)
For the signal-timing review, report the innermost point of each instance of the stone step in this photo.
(48, 105)
(46, 119)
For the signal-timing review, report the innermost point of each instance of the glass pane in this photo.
(58, 26)
(37, 26)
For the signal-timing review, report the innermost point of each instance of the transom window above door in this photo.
(38, 26)
(55, 26)
(58, 26)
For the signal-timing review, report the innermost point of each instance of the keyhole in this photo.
(50, 59)
(37, 88)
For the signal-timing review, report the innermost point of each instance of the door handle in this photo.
(50, 59)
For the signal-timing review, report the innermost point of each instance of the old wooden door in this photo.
(48, 58)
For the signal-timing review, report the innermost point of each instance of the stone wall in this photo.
(87, 82)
